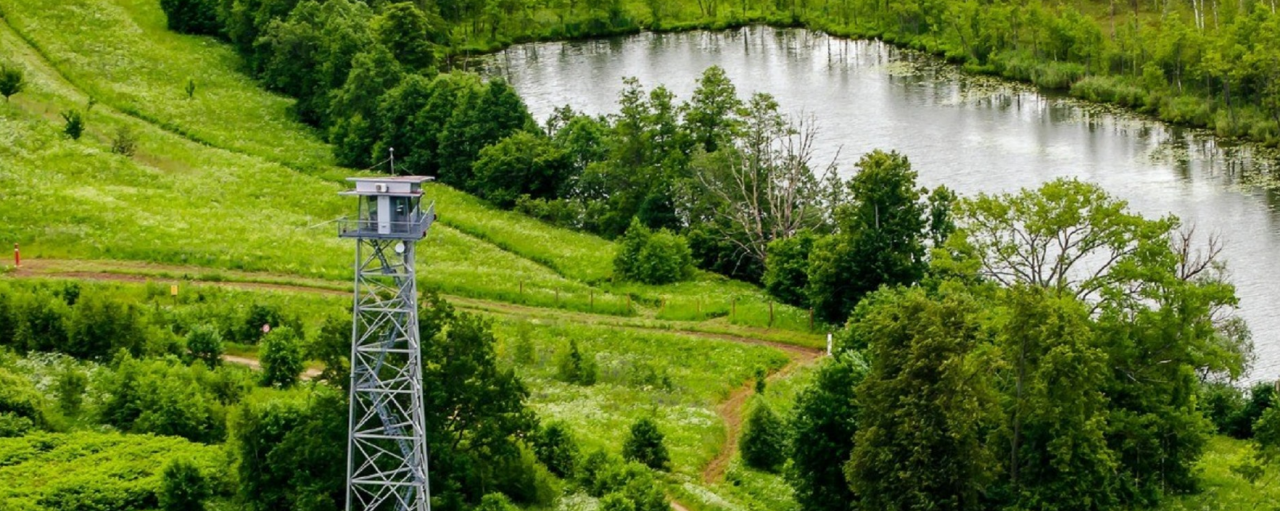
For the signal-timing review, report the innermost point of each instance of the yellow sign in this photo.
(173, 290)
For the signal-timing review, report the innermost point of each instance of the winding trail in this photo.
(730, 410)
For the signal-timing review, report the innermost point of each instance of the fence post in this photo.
(733, 308)
(770, 313)
(557, 297)
(592, 305)
(810, 319)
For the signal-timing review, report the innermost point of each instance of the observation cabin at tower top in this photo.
(388, 208)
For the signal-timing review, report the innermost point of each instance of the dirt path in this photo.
(731, 411)
(253, 363)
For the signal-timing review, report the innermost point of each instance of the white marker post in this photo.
(828, 344)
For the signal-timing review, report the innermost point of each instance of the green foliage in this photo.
(183, 487)
(1262, 397)
(190, 89)
(652, 258)
(523, 164)
(12, 81)
(557, 449)
(332, 347)
(100, 325)
(1222, 403)
(475, 449)
(408, 32)
(165, 397)
(495, 502)
(22, 407)
(286, 444)
(822, 425)
(125, 142)
(925, 406)
(281, 357)
(205, 344)
(880, 239)
(71, 385)
(191, 16)
(98, 471)
(645, 445)
(577, 367)
(74, 124)
(479, 119)
(632, 484)
(764, 441)
(786, 274)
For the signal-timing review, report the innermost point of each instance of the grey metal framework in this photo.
(386, 448)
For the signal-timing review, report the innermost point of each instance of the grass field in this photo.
(226, 181)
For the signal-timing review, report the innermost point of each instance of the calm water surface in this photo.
(972, 134)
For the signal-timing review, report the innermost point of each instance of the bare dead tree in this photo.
(763, 184)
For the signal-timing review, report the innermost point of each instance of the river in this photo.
(974, 134)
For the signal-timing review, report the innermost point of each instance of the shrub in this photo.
(577, 367)
(645, 444)
(496, 502)
(101, 324)
(205, 344)
(556, 449)
(786, 268)
(183, 487)
(22, 407)
(125, 142)
(163, 397)
(1261, 398)
(652, 258)
(192, 16)
(260, 316)
(75, 124)
(281, 358)
(1221, 403)
(40, 322)
(764, 441)
(71, 384)
(617, 502)
(11, 81)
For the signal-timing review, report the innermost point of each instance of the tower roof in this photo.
(391, 186)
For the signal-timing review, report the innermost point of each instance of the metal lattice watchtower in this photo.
(387, 444)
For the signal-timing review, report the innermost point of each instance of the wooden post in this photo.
(522, 289)
(733, 307)
(810, 319)
(699, 305)
(592, 305)
(770, 313)
(557, 297)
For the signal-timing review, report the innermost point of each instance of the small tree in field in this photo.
(183, 487)
(281, 358)
(205, 344)
(652, 257)
(11, 81)
(75, 124)
(577, 367)
(764, 442)
(646, 445)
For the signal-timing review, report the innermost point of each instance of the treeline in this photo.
(162, 375)
(1056, 352)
